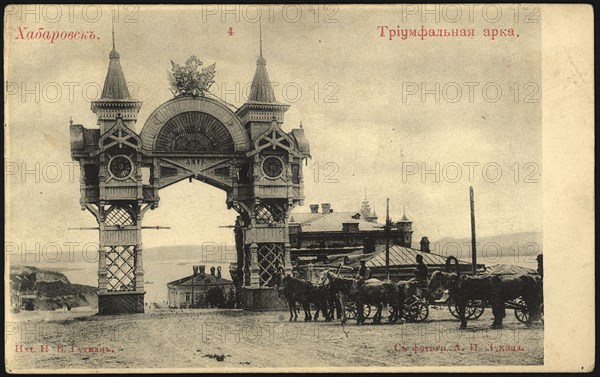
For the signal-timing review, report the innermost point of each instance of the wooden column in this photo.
(102, 280)
(287, 258)
(139, 269)
(254, 276)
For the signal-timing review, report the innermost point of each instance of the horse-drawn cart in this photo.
(417, 306)
(416, 309)
(475, 308)
(352, 312)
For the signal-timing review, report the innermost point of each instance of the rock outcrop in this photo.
(36, 289)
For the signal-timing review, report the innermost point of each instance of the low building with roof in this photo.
(402, 263)
(319, 234)
(340, 240)
(201, 290)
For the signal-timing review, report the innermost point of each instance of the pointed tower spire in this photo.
(260, 33)
(262, 111)
(261, 89)
(115, 86)
(365, 210)
(404, 219)
(113, 34)
(115, 100)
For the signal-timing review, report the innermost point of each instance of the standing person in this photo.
(421, 277)
(540, 270)
(421, 270)
(364, 272)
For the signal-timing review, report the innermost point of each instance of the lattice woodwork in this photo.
(269, 214)
(120, 264)
(119, 216)
(270, 257)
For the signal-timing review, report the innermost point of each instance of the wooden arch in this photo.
(219, 115)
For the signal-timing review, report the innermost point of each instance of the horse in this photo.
(495, 289)
(319, 296)
(377, 292)
(439, 282)
(372, 292)
(293, 290)
(301, 291)
(409, 287)
(337, 286)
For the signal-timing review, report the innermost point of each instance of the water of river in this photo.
(160, 272)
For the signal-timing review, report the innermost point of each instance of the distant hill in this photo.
(524, 244)
(47, 290)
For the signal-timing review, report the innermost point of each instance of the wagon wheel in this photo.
(417, 312)
(366, 310)
(521, 310)
(473, 310)
(350, 310)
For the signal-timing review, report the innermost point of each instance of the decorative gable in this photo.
(120, 135)
(275, 138)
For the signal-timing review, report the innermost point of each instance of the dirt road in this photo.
(233, 339)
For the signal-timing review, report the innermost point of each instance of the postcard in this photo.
(285, 188)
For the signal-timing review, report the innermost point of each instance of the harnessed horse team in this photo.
(332, 292)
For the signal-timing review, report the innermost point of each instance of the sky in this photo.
(377, 112)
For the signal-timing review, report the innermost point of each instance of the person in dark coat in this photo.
(364, 272)
(421, 277)
(421, 270)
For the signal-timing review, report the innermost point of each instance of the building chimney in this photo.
(195, 269)
(212, 271)
(326, 207)
(425, 244)
(314, 208)
(201, 269)
(219, 271)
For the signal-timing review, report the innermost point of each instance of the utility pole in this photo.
(388, 227)
(473, 241)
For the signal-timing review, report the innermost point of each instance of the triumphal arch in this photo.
(243, 151)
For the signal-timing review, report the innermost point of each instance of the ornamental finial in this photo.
(113, 33)
(260, 33)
